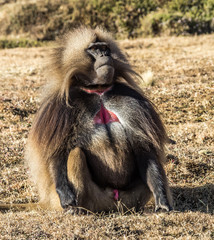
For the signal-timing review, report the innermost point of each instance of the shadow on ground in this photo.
(194, 199)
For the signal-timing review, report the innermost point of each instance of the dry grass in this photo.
(183, 77)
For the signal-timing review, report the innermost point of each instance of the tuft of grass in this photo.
(148, 79)
(14, 43)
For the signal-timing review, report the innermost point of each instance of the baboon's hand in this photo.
(162, 204)
(67, 197)
(77, 211)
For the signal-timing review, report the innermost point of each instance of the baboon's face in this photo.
(101, 71)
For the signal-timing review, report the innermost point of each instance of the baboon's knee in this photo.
(77, 170)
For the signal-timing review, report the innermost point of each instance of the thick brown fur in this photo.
(51, 142)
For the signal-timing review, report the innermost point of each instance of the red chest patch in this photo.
(105, 116)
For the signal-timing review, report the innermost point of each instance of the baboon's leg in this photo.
(136, 196)
(153, 174)
(65, 190)
(89, 195)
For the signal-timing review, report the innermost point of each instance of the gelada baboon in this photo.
(96, 139)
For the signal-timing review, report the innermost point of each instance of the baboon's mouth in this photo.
(97, 87)
(99, 91)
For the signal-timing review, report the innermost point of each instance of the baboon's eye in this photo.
(93, 48)
(103, 47)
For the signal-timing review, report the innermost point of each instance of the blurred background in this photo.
(29, 22)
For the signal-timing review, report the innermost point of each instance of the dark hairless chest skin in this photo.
(117, 119)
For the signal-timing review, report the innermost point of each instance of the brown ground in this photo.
(183, 70)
